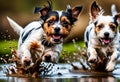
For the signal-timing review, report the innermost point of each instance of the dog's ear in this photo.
(117, 18)
(43, 11)
(95, 10)
(74, 11)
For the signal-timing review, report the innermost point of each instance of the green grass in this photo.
(68, 48)
(5, 46)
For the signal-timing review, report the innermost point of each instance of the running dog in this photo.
(43, 39)
(102, 35)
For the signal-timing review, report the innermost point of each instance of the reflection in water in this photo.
(75, 79)
(98, 79)
(65, 76)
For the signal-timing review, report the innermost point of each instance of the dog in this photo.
(102, 35)
(43, 39)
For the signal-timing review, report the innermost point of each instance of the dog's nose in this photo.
(57, 29)
(106, 34)
(48, 58)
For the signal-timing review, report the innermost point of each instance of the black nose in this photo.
(57, 29)
(48, 58)
(106, 34)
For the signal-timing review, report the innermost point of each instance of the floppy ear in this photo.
(43, 10)
(95, 10)
(117, 19)
(74, 11)
(37, 10)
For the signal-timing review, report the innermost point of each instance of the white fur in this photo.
(35, 36)
(93, 40)
(113, 10)
(17, 28)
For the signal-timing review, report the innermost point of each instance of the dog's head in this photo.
(57, 24)
(106, 27)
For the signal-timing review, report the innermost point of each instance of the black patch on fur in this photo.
(95, 23)
(86, 44)
(55, 13)
(115, 20)
(38, 28)
(87, 36)
(69, 17)
(46, 43)
(26, 35)
(52, 13)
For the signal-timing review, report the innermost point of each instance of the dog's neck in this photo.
(46, 43)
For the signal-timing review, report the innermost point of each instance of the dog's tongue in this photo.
(106, 41)
(56, 36)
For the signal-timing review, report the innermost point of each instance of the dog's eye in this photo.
(65, 24)
(100, 26)
(50, 22)
(112, 27)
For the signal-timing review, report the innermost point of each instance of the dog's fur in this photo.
(102, 33)
(44, 38)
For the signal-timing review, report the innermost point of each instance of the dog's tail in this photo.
(113, 10)
(17, 28)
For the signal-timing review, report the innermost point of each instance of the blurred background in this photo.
(22, 12)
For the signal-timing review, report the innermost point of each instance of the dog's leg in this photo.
(25, 55)
(111, 64)
(92, 55)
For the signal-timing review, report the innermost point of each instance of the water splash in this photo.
(39, 68)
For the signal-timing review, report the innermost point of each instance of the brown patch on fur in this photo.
(102, 61)
(113, 27)
(64, 19)
(109, 51)
(118, 17)
(65, 29)
(34, 45)
(48, 30)
(34, 49)
(99, 27)
(53, 18)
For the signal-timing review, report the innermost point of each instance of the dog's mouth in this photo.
(106, 40)
(57, 37)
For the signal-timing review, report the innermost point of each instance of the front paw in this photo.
(92, 59)
(110, 66)
(26, 61)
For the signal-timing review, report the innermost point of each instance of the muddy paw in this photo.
(92, 59)
(110, 67)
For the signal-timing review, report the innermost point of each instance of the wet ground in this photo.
(62, 73)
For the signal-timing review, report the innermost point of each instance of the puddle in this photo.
(61, 73)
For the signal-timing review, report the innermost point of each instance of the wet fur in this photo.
(102, 34)
(44, 38)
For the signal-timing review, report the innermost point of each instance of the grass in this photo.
(5, 46)
(68, 48)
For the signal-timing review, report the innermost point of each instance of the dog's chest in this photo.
(105, 51)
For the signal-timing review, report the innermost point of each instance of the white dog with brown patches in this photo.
(43, 39)
(102, 33)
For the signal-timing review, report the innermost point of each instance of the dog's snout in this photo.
(47, 58)
(106, 34)
(57, 29)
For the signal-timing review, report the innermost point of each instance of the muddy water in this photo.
(61, 73)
